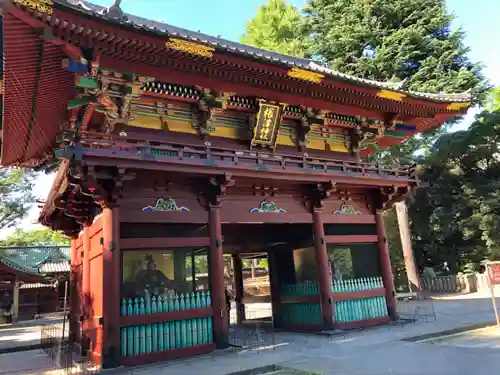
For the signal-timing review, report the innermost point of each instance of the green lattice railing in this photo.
(166, 335)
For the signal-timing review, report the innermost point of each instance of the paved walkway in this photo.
(32, 362)
(377, 351)
(23, 335)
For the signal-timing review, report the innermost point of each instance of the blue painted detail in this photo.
(210, 163)
(405, 127)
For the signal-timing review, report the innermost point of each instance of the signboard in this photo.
(494, 273)
(494, 279)
(268, 123)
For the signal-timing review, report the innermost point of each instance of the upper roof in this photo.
(33, 259)
(37, 87)
(115, 15)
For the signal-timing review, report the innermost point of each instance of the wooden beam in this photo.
(162, 243)
(356, 238)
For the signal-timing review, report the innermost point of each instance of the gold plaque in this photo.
(268, 123)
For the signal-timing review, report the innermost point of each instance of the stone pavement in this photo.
(23, 335)
(488, 337)
(377, 351)
(32, 362)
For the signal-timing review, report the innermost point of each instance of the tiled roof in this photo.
(114, 14)
(28, 270)
(28, 259)
(54, 267)
(32, 256)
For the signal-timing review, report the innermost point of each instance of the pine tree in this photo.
(16, 197)
(392, 40)
(276, 27)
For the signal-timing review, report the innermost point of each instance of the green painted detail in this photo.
(76, 103)
(167, 335)
(395, 134)
(375, 147)
(268, 206)
(88, 82)
(338, 140)
(300, 313)
(359, 309)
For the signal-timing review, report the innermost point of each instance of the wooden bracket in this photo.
(316, 194)
(215, 189)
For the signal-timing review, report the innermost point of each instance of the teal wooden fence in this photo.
(359, 309)
(300, 313)
(167, 335)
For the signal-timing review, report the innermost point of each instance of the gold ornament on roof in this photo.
(393, 95)
(458, 106)
(305, 75)
(43, 6)
(190, 47)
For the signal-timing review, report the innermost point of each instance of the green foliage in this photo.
(396, 250)
(390, 40)
(455, 218)
(276, 28)
(493, 102)
(15, 196)
(35, 237)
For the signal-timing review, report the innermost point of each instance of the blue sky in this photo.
(227, 18)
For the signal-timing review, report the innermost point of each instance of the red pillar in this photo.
(238, 288)
(73, 297)
(111, 287)
(85, 298)
(325, 285)
(216, 263)
(385, 266)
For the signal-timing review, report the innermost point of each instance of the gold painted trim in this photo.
(43, 6)
(190, 47)
(305, 75)
(386, 94)
(458, 106)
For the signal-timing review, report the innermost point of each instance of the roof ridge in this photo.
(138, 22)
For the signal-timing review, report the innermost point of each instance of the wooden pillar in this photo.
(385, 266)
(15, 300)
(216, 264)
(85, 298)
(324, 281)
(409, 257)
(111, 287)
(274, 280)
(73, 297)
(238, 288)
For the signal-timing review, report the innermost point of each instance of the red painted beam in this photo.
(218, 85)
(344, 239)
(129, 216)
(347, 219)
(167, 242)
(359, 294)
(101, 157)
(135, 320)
